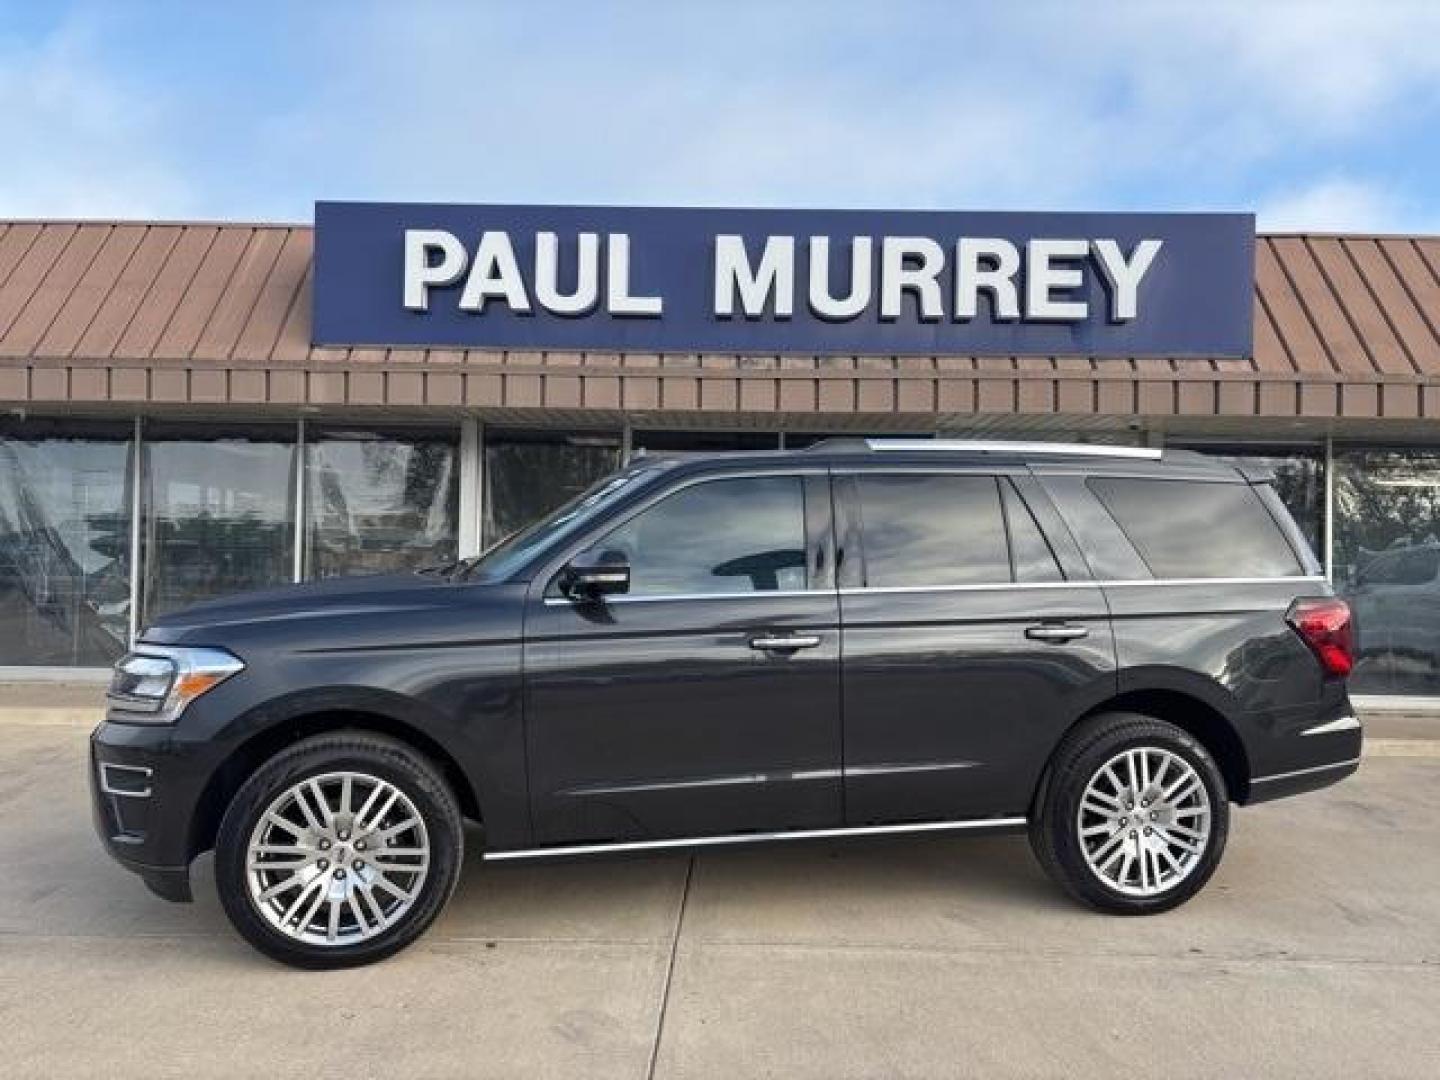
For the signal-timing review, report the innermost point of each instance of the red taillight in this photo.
(1323, 623)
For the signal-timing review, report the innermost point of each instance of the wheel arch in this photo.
(260, 747)
(1201, 719)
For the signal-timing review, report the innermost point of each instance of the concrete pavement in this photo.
(1314, 951)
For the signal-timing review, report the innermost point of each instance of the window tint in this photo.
(1197, 529)
(1029, 550)
(932, 530)
(720, 536)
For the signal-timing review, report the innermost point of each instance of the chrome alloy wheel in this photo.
(1144, 821)
(337, 858)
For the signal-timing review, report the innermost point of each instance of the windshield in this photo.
(514, 550)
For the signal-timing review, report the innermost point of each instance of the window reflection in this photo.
(64, 544)
(1387, 563)
(721, 536)
(378, 501)
(1299, 481)
(219, 514)
(530, 473)
(932, 531)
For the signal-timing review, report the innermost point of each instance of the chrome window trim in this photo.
(1305, 772)
(1085, 584)
(861, 590)
(622, 598)
(1278, 580)
(858, 590)
(751, 838)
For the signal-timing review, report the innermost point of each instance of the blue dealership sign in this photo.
(852, 282)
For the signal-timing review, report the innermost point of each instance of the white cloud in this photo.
(1342, 204)
(83, 142)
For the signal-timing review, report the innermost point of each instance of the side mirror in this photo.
(594, 574)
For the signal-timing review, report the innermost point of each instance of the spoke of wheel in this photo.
(1174, 862)
(1097, 830)
(1158, 780)
(396, 830)
(279, 887)
(333, 930)
(375, 793)
(303, 802)
(1144, 773)
(1144, 860)
(379, 815)
(304, 895)
(304, 923)
(384, 882)
(1116, 784)
(326, 815)
(1108, 803)
(1134, 788)
(293, 862)
(374, 905)
(1128, 858)
(346, 783)
(289, 826)
(400, 852)
(1181, 789)
(1182, 844)
(1105, 853)
(360, 921)
(1189, 834)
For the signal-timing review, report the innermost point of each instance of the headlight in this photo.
(154, 684)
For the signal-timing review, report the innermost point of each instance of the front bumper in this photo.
(144, 789)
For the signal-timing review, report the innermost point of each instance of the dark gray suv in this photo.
(1104, 647)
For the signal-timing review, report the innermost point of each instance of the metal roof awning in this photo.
(217, 316)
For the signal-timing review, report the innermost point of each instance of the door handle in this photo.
(784, 643)
(1058, 633)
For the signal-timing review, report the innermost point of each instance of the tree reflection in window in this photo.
(719, 536)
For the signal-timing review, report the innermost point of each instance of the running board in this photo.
(755, 838)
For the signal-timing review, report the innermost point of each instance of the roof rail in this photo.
(978, 446)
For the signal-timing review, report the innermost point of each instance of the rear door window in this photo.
(1197, 529)
(932, 530)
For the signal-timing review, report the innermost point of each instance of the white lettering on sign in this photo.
(1123, 276)
(774, 276)
(1045, 282)
(989, 266)
(824, 303)
(435, 259)
(619, 300)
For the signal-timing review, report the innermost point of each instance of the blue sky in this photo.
(1317, 116)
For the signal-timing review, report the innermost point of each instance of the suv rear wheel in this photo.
(1133, 816)
(339, 851)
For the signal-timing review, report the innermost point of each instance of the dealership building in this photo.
(188, 410)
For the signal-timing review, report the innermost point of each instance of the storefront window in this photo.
(218, 513)
(379, 500)
(529, 473)
(1387, 563)
(1299, 481)
(697, 442)
(64, 543)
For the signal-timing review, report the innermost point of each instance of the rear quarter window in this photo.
(1196, 528)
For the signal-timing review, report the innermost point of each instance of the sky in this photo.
(1316, 116)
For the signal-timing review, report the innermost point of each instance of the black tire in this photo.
(1054, 824)
(376, 756)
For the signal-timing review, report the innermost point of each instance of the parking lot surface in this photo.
(1315, 951)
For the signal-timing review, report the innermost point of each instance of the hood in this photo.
(371, 594)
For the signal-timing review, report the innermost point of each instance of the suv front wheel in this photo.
(340, 850)
(1133, 816)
